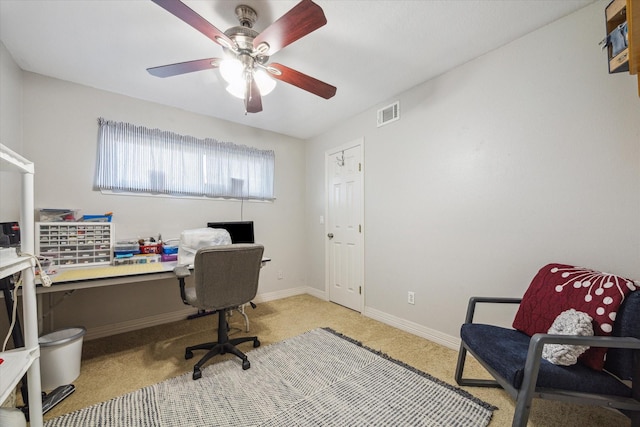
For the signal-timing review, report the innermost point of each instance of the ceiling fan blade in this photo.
(303, 81)
(184, 67)
(304, 18)
(252, 98)
(188, 15)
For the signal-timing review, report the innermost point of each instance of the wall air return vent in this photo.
(389, 114)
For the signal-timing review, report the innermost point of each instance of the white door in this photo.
(344, 225)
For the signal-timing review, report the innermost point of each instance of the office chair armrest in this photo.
(181, 271)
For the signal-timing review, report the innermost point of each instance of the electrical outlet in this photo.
(280, 275)
(411, 297)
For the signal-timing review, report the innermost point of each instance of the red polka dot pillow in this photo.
(558, 287)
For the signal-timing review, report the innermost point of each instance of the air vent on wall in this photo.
(389, 114)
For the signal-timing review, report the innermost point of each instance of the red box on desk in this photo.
(150, 249)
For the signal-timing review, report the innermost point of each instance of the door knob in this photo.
(330, 235)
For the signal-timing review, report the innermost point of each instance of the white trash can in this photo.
(60, 354)
(12, 417)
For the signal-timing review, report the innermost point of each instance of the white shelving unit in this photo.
(19, 361)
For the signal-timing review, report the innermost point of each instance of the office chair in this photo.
(225, 277)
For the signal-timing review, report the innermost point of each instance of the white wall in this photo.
(527, 155)
(10, 131)
(60, 132)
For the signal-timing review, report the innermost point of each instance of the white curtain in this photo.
(137, 159)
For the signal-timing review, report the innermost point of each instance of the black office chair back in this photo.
(627, 324)
(227, 276)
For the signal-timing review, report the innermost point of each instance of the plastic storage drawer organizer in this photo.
(75, 243)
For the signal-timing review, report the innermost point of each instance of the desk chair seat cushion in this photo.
(507, 355)
(559, 287)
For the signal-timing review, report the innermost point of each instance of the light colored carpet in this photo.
(316, 378)
(120, 364)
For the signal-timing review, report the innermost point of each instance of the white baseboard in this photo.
(317, 293)
(135, 324)
(145, 322)
(413, 328)
(402, 324)
(272, 296)
(396, 322)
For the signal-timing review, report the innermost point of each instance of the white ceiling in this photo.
(369, 50)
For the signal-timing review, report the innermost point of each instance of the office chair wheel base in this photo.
(188, 355)
(256, 343)
(197, 374)
(246, 365)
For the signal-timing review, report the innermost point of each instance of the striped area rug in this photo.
(319, 378)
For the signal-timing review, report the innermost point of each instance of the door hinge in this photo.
(359, 167)
(359, 228)
(360, 290)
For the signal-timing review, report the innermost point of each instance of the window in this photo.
(136, 159)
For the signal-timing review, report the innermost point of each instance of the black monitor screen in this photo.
(240, 231)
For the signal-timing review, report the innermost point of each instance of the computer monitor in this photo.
(240, 231)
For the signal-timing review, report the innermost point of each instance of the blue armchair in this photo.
(515, 361)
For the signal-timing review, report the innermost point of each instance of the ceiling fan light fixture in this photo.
(231, 70)
(265, 83)
(237, 88)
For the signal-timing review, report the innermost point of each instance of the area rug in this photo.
(319, 378)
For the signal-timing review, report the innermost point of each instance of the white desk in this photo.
(106, 275)
(71, 278)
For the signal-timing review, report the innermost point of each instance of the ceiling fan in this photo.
(245, 65)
